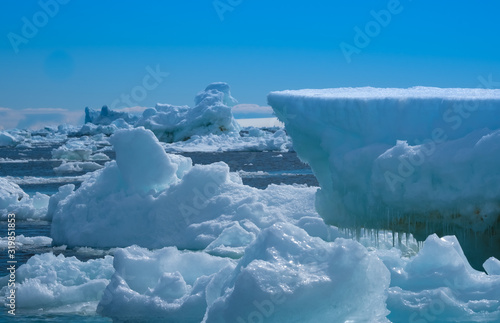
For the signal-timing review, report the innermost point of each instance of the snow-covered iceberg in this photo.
(418, 160)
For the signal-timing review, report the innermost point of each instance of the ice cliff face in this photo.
(418, 160)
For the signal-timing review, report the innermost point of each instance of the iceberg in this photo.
(58, 284)
(153, 199)
(288, 276)
(75, 149)
(107, 116)
(162, 285)
(285, 276)
(14, 200)
(249, 139)
(6, 139)
(210, 115)
(75, 167)
(438, 284)
(420, 160)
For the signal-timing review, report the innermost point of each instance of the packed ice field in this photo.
(160, 238)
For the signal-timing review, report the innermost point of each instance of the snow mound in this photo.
(154, 199)
(14, 200)
(419, 160)
(56, 284)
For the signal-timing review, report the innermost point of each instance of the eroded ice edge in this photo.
(195, 244)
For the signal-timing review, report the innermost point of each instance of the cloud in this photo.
(38, 118)
(137, 110)
(252, 109)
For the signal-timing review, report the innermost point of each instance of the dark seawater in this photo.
(33, 169)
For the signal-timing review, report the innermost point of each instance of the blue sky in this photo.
(94, 52)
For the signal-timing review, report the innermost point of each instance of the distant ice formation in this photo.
(209, 126)
(210, 115)
(6, 139)
(106, 116)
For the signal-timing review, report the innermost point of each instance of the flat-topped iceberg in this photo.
(418, 160)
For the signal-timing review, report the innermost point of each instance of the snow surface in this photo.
(418, 160)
